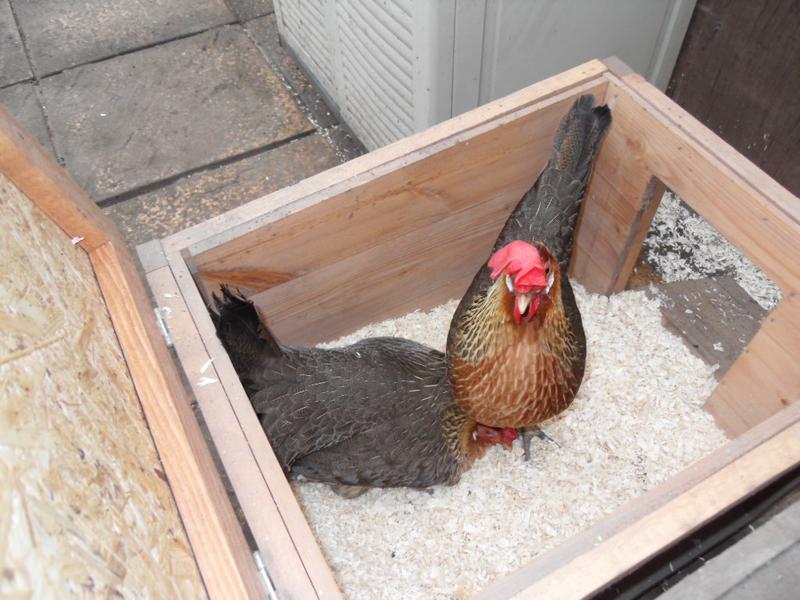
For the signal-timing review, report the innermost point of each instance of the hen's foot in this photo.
(527, 433)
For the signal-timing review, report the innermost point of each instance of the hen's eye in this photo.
(509, 283)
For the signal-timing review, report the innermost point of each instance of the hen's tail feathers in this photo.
(549, 212)
(579, 136)
(240, 330)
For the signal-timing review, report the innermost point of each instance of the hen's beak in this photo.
(523, 301)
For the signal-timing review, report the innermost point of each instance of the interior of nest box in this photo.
(668, 304)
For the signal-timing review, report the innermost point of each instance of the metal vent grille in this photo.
(377, 74)
(362, 52)
(305, 21)
(393, 67)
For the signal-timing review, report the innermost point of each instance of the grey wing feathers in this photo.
(356, 415)
(380, 456)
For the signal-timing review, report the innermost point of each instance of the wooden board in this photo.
(217, 542)
(429, 236)
(761, 226)
(290, 553)
(733, 196)
(715, 317)
(613, 222)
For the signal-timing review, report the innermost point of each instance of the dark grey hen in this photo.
(378, 413)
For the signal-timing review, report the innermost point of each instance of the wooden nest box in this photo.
(416, 219)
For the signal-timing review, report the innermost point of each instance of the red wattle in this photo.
(533, 307)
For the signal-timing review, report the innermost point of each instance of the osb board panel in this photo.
(84, 508)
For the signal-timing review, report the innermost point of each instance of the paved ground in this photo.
(166, 113)
(763, 566)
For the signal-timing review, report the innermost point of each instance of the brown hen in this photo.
(516, 350)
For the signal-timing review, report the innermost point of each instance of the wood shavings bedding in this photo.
(637, 420)
(683, 245)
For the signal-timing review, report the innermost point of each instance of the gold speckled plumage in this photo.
(506, 374)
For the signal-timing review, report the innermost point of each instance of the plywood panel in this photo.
(742, 203)
(498, 160)
(84, 504)
(613, 222)
(595, 558)
(217, 541)
(419, 270)
(765, 379)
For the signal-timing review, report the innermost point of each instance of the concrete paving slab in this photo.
(23, 103)
(346, 143)
(14, 65)
(250, 9)
(206, 194)
(777, 580)
(265, 33)
(66, 33)
(151, 115)
(762, 566)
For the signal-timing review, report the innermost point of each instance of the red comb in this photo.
(523, 262)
